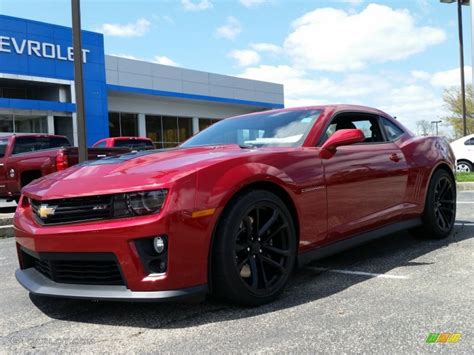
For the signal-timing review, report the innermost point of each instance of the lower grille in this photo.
(76, 268)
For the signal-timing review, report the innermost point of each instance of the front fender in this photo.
(215, 188)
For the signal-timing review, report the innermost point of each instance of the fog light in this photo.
(159, 244)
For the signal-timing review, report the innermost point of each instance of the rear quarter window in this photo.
(393, 131)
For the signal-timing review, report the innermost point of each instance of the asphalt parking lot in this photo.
(383, 297)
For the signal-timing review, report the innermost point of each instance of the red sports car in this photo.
(234, 209)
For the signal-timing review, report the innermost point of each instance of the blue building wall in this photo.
(18, 56)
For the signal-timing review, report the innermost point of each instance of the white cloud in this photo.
(135, 29)
(409, 102)
(266, 47)
(352, 2)
(165, 60)
(245, 57)
(420, 75)
(452, 77)
(334, 40)
(300, 86)
(126, 56)
(252, 3)
(197, 5)
(412, 103)
(230, 30)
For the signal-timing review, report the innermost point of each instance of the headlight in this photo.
(146, 202)
(139, 203)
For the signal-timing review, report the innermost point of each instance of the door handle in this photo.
(394, 157)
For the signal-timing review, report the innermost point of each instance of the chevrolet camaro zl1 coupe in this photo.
(233, 210)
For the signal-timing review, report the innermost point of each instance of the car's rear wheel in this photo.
(255, 249)
(463, 166)
(440, 207)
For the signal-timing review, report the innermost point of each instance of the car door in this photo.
(469, 149)
(365, 182)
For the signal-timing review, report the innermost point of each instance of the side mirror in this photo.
(340, 138)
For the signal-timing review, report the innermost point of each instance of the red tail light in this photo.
(62, 162)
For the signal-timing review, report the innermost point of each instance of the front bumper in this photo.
(38, 284)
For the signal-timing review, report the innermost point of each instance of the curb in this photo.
(465, 186)
(6, 228)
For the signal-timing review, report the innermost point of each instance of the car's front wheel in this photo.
(255, 249)
(440, 207)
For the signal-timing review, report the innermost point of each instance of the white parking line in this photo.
(361, 273)
(7, 226)
(464, 224)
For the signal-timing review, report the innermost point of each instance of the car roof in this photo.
(333, 107)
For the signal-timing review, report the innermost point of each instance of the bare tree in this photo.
(423, 127)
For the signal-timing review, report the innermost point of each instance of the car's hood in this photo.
(130, 172)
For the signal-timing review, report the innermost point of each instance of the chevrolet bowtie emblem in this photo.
(44, 211)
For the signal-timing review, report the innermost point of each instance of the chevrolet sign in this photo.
(39, 49)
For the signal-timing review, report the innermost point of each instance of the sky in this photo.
(396, 55)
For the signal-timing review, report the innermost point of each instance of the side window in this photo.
(469, 142)
(368, 124)
(101, 145)
(392, 131)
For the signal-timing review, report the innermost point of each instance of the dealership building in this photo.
(123, 97)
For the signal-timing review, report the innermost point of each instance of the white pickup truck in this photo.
(464, 151)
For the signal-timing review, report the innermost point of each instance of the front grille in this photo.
(73, 209)
(76, 268)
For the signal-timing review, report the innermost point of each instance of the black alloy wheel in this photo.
(440, 207)
(255, 249)
(262, 247)
(445, 204)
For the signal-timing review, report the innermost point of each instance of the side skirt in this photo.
(339, 246)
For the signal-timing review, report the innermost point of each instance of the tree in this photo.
(423, 127)
(453, 102)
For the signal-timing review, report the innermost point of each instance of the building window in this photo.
(154, 130)
(123, 124)
(185, 127)
(63, 127)
(13, 123)
(206, 122)
(6, 123)
(168, 131)
(31, 124)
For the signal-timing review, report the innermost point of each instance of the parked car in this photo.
(26, 157)
(463, 149)
(233, 209)
(134, 143)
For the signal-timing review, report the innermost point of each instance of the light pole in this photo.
(79, 79)
(436, 125)
(461, 59)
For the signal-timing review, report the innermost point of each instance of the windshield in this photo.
(267, 129)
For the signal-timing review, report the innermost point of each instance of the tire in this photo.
(440, 207)
(464, 166)
(254, 249)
